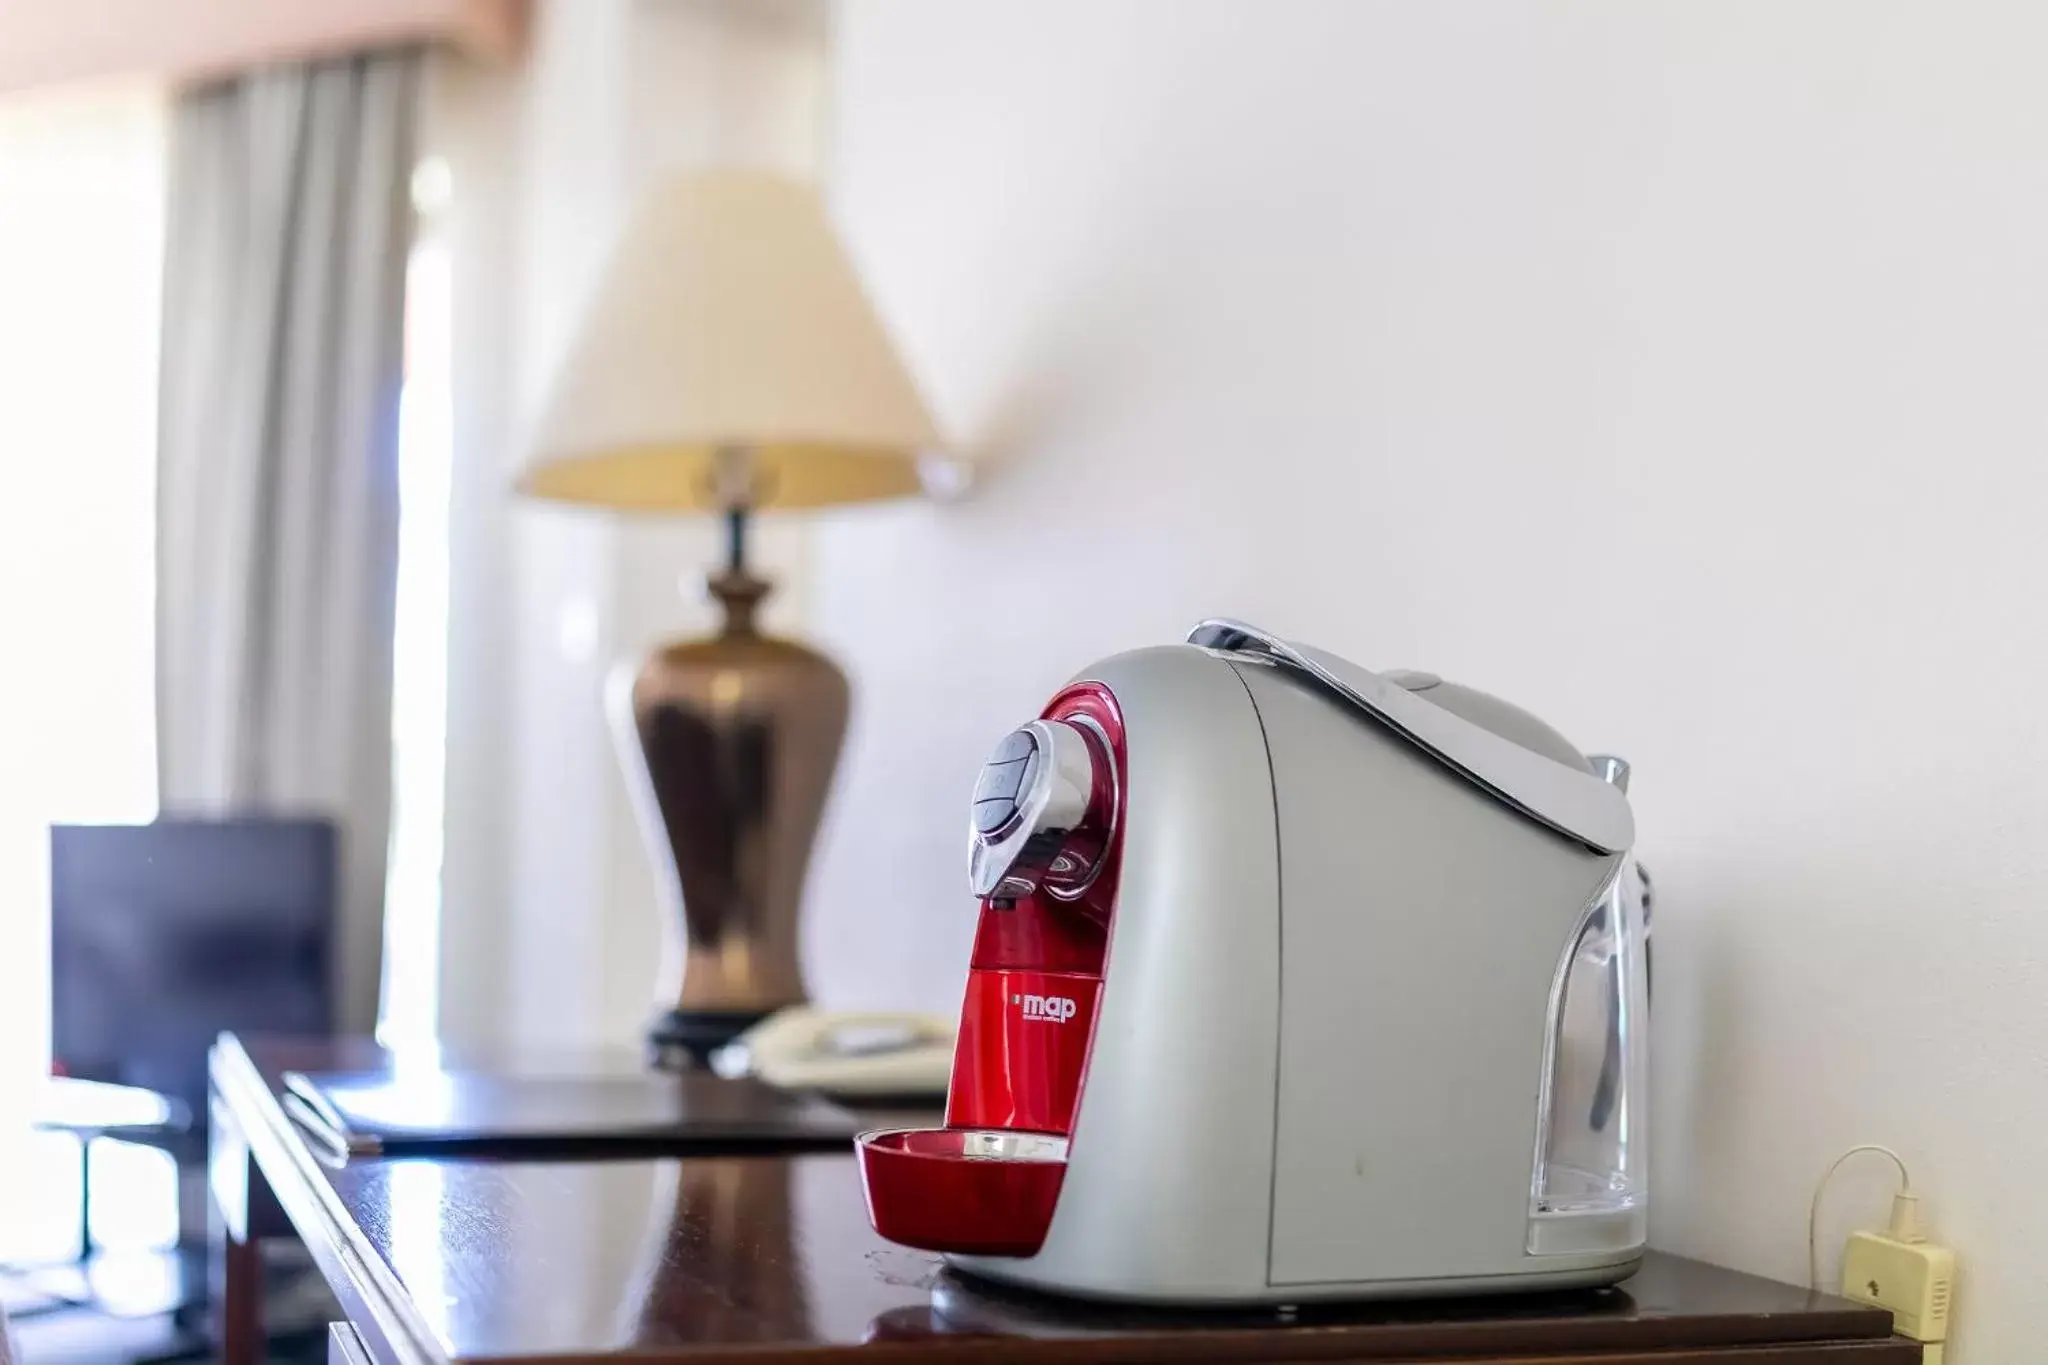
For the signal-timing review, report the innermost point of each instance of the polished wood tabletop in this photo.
(711, 1258)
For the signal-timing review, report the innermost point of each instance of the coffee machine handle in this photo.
(1572, 802)
(1036, 791)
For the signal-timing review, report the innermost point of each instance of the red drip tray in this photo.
(976, 1191)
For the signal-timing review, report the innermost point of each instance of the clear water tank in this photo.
(1590, 1189)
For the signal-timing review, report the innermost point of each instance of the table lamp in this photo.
(729, 364)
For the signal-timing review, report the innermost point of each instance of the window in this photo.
(81, 246)
(81, 225)
(419, 684)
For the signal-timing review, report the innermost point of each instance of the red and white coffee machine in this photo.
(1291, 981)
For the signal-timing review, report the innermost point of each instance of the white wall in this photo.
(1673, 369)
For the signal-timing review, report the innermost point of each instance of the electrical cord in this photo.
(1905, 1224)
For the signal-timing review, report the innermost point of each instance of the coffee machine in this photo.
(1291, 981)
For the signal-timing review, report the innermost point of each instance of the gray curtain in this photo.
(289, 222)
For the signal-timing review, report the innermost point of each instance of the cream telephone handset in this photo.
(846, 1052)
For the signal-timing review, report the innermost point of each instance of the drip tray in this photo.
(973, 1191)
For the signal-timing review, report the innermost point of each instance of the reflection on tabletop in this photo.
(964, 1306)
(540, 1258)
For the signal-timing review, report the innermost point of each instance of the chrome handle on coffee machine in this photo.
(1571, 801)
(1035, 790)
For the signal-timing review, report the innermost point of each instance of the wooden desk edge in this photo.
(370, 1294)
(390, 1331)
(997, 1350)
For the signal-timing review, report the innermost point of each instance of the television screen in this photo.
(163, 935)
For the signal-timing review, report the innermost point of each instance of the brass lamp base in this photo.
(735, 739)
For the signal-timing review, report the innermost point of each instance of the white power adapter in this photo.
(1898, 1268)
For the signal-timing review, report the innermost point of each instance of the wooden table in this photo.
(771, 1258)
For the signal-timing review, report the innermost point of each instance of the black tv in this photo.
(163, 935)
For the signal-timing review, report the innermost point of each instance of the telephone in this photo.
(850, 1053)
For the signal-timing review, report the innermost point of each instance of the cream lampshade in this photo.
(730, 319)
(730, 362)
